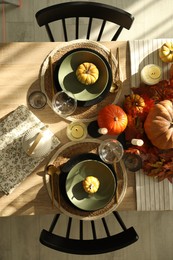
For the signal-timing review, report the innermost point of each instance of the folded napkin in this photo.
(15, 164)
(150, 194)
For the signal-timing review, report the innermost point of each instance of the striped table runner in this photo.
(150, 194)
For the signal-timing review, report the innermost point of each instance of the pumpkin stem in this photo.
(115, 118)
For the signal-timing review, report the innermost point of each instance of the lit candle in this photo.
(151, 74)
(138, 142)
(76, 131)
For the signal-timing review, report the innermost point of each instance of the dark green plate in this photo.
(76, 192)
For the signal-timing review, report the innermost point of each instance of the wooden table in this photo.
(19, 69)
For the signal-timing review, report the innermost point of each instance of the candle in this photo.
(151, 74)
(138, 142)
(76, 131)
(103, 131)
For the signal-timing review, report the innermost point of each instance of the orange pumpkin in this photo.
(133, 104)
(159, 125)
(113, 118)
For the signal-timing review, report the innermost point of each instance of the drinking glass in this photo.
(64, 103)
(37, 99)
(111, 151)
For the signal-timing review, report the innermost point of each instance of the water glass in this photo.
(111, 151)
(64, 103)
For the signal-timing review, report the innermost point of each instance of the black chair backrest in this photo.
(96, 244)
(91, 10)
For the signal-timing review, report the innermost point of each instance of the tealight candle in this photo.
(103, 131)
(151, 74)
(138, 142)
(76, 131)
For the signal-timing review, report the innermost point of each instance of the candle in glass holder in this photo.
(151, 74)
(76, 131)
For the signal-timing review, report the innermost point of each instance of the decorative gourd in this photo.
(166, 52)
(159, 125)
(113, 118)
(91, 184)
(134, 104)
(87, 73)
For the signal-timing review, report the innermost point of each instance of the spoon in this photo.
(51, 170)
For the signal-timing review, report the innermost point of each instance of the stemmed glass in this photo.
(111, 151)
(64, 103)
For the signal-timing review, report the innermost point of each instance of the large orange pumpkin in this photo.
(113, 118)
(159, 125)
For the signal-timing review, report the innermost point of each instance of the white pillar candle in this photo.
(138, 142)
(151, 74)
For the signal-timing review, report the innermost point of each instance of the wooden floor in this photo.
(20, 235)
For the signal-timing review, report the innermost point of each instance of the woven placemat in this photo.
(72, 149)
(82, 113)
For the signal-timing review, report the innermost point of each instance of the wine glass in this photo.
(111, 151)
(64, 103)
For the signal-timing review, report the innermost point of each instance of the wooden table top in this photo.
(19, 69)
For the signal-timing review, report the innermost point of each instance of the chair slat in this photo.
(89, 28)
(68, 227)
(93, 229)
(81, 229)
(64, 30)
(105, 227)
(77, 28)
(119, 219)
(55, 219)
(101, 30)
(115, 37)
(49, 32)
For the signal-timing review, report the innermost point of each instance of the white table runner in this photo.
(150, 194)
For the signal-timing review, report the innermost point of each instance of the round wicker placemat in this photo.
(62, 156)
(86, 114)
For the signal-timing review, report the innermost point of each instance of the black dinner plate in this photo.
(65, 169)
(88, 102)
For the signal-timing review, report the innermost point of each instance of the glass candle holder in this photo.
(76, 131)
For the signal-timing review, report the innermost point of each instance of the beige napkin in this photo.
(15, 164)
(150, 194)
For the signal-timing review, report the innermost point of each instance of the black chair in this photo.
(105, 13)
(96, 243)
